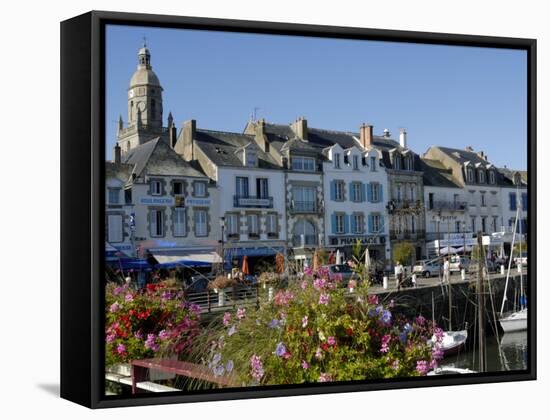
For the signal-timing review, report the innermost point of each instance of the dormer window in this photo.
(481, 176)
(337, 160)
(469, 175)
(397, 162)
(492, 177)
(373, 163)
(355, 162)
(306, 164)
(408, 163)
(250, 158)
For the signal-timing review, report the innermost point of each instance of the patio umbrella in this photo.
(338, 257)
(279, 263)
(367, 258)
(245, 269)
(315, 263)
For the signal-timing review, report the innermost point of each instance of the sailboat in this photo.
(517, 320)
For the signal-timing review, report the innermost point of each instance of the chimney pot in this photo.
(403, 138)
(365, 134)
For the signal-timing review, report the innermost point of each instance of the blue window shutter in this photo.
(370, 223)
(369, 192)
(381, 193)
(352, 223)
(346, 223)
(363, 192)
(332, 190)
(350, 194)
(513, 201)
(524, 201)
(333, 223)
(382, 227)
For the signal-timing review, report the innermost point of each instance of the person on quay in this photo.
(398, 275)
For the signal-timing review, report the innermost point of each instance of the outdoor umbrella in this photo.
(338, 257)
(245, 269)
(315, 263)
(280, 263)
(367, 258)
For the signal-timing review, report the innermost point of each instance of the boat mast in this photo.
(521, 295)
(449, 278)
(505, 296)
(481, 303)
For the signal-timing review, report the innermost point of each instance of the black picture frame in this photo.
(82, 203)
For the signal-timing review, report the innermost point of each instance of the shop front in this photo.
(377, 245)
(260, 256)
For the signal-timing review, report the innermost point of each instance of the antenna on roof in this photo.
(255, 112)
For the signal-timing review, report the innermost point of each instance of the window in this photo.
(340, 226)
(304, 198)
(355, 162)
(513, 201)
(373, 164)
(495, 223)
(524, 201)
(179, 222)
(481, 176)
(457, 227)
(430, 201)
(376, 192)
(156, 187)
(398, 195)
(253, 228)
(261, 188)
(153, 109)
(177, 188)
(377, 223)
(484, 224)
(358, 223)
(241, 187)
(339, 191)
(337, 160)
(157, 223)
(483, 201)
(114, 228)
(473, 223)
(356, 192)
(304, 233)
(232, 224)
(251, 159)
(199, 189)
(271, 224)
(201, 220)
(492, 177)
(470, 175)
(397, 163)
(408, 163)
(412, 190)
(303, 164)
(114, 195)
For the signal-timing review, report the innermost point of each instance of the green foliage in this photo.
(403, 252)
(315, 332)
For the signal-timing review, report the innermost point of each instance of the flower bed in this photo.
(154, 321)
(313, 332)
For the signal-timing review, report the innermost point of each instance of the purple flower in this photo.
(274, 323)
(121, 348)
(256, 367)
(325, 377)
(305, 365)
(226, 319)
(437, 352)
(323, 299)
(385, 343)
(229, 366)
(241, 313)
(303, 285)
(138, 335)
(280, 350)
(114, 307)
(319, 284)
(196, 309)
(109, 338)
(218, 370)
(331, 341)
(439, 334)
(166, 295)
(151, 342)
(308, 271)
(385, 317)
(420, 320)
(163, 335)
(129, 297)
(118, 290)
(422, 367)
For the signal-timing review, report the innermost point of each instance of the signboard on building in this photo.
(352, 240)
(190, 201)
(157, 201)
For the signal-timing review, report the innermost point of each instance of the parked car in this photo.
(458, 263)
(427, 268)
(344, 270)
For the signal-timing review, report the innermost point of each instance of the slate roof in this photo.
(508, 176)
(436, 175)
(220, 148)
(121, 171)
(462, 156)
(155, 157)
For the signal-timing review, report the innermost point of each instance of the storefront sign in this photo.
(352, 240)
(157, 201)
(189, 201)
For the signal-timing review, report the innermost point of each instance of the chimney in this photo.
(117, 154)
(300, 128)
(387, 133)
(482, 155)
(365, 135)
(259, 133)
(403, 138)
(184, 145)
(469, 149)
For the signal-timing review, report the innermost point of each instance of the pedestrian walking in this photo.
(446, 271)
(398, 275)
(413, 280)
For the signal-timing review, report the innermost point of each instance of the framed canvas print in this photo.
(255, 209)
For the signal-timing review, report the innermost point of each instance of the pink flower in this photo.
(319, 284)
(256, 367)
(331, 341)
(305, 365)
(109, 338)
(308, 271)
(114, 307)
(129, 297)
(325, 377)
(241, 313)
(304, 321)
(373, 299)
(283, 298)
(303, 285)
(226, 319)
(319, 353)
(121, 349)
(395, 365)
(323, 299)
(385, 343)
(422, 367)
(439, 334)
(163, 335)
(420, 320)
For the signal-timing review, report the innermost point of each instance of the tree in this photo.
(403, 252)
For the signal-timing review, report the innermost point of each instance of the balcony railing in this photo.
(394, 205)
(407, 234)
(305, 207)
(252, 201)
(447, 205)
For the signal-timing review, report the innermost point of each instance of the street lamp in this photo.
(222, 226)
(463, 225)
(438, 222)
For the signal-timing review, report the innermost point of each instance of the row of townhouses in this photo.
(198, 196)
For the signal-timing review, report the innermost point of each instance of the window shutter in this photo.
(153, 222)
(363, 192)
(352, 222)
(369, 193)
(333, 190)
(370, 223)
(351, 193)
(524, 201)
(115, 228)
(346, 223)
(333, 223)
(513, 201)
(380, 193)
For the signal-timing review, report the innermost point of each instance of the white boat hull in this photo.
(452, 341)
(516, 321)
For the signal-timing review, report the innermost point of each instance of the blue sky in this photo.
(448, 96)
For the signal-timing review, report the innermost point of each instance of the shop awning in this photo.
(191, 257)
(252, 252)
